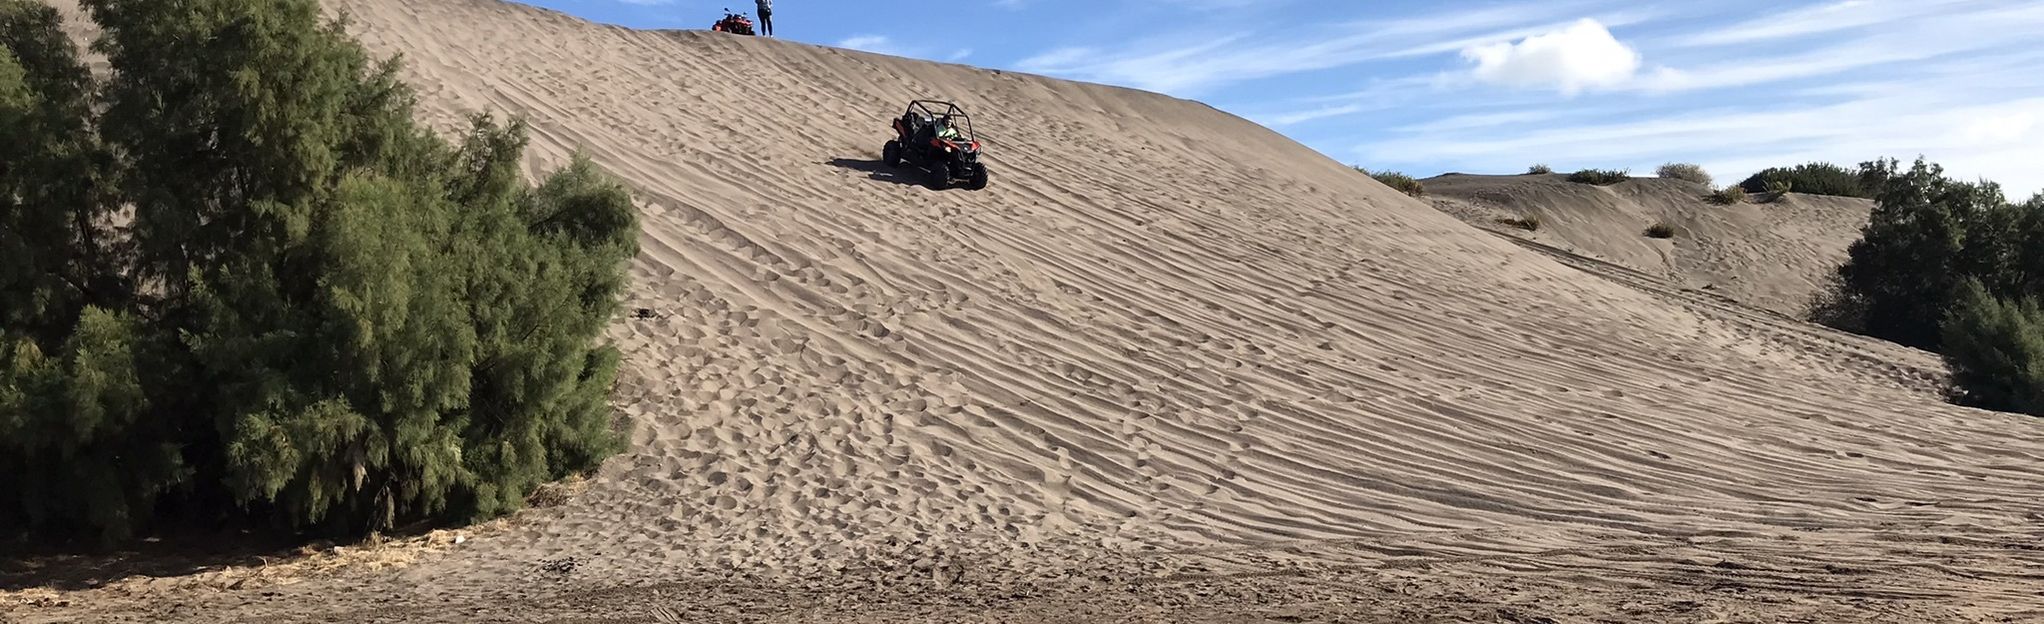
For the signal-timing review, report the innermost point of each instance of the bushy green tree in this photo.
(546, 286)
(76, 438)
(54, 190)
(337, 320)
(1926, 234)
(1995, 349)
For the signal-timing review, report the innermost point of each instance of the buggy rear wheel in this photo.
(891, 153)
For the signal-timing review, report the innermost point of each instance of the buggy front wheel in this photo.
(891, 153)
(979, 178)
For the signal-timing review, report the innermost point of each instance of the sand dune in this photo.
(1772, 255)
(1193, 373)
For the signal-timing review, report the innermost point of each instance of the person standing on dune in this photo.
(766, 17)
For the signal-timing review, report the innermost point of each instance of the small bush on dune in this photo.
(1600, 177)
(1728, 195)
(1539, 169)
(1660, 230)
(1778, 189)
(1684, 171)
(1397, 181)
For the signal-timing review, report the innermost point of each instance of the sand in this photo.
(1769, 253)
(1169, 366)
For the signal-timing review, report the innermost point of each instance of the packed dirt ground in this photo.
(1195, 374)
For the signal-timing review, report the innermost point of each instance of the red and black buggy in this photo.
(937, 137)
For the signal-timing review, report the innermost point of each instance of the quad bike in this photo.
(942, 144)
(734, 23)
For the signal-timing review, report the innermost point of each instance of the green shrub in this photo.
(1837, 306)
(348, 325)
(1600, 177)
(1539, 169)
(1684, 171)
(1926, 235)
(1660, 230)
(1397, 181)
(1995, 349)
(1779, 188)
(1817, 178)
(1530, 223)
(1728, 195)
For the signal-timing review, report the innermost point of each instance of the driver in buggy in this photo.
(944, 128)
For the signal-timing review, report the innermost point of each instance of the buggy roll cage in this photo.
(959, 120)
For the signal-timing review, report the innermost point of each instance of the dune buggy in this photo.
(937, 137)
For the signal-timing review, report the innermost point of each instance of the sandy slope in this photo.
(1169, 367)
(1772, 255)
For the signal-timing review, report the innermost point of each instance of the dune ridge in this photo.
(1165, 351)
(1770, 253)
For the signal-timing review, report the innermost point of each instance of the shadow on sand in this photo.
(905, 175)
(74, 564)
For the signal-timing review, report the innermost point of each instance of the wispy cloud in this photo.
(1193, 62)
(1825, 18)
(1378, 95)
(1958, 81)
(878, 44)
(1983, 26)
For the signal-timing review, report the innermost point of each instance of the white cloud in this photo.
(1580, 56)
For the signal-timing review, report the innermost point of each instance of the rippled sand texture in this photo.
(1770, 253)
(1169, 366)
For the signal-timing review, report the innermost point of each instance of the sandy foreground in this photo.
(1169, 367)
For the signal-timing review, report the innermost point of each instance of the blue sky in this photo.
(1494, 86)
